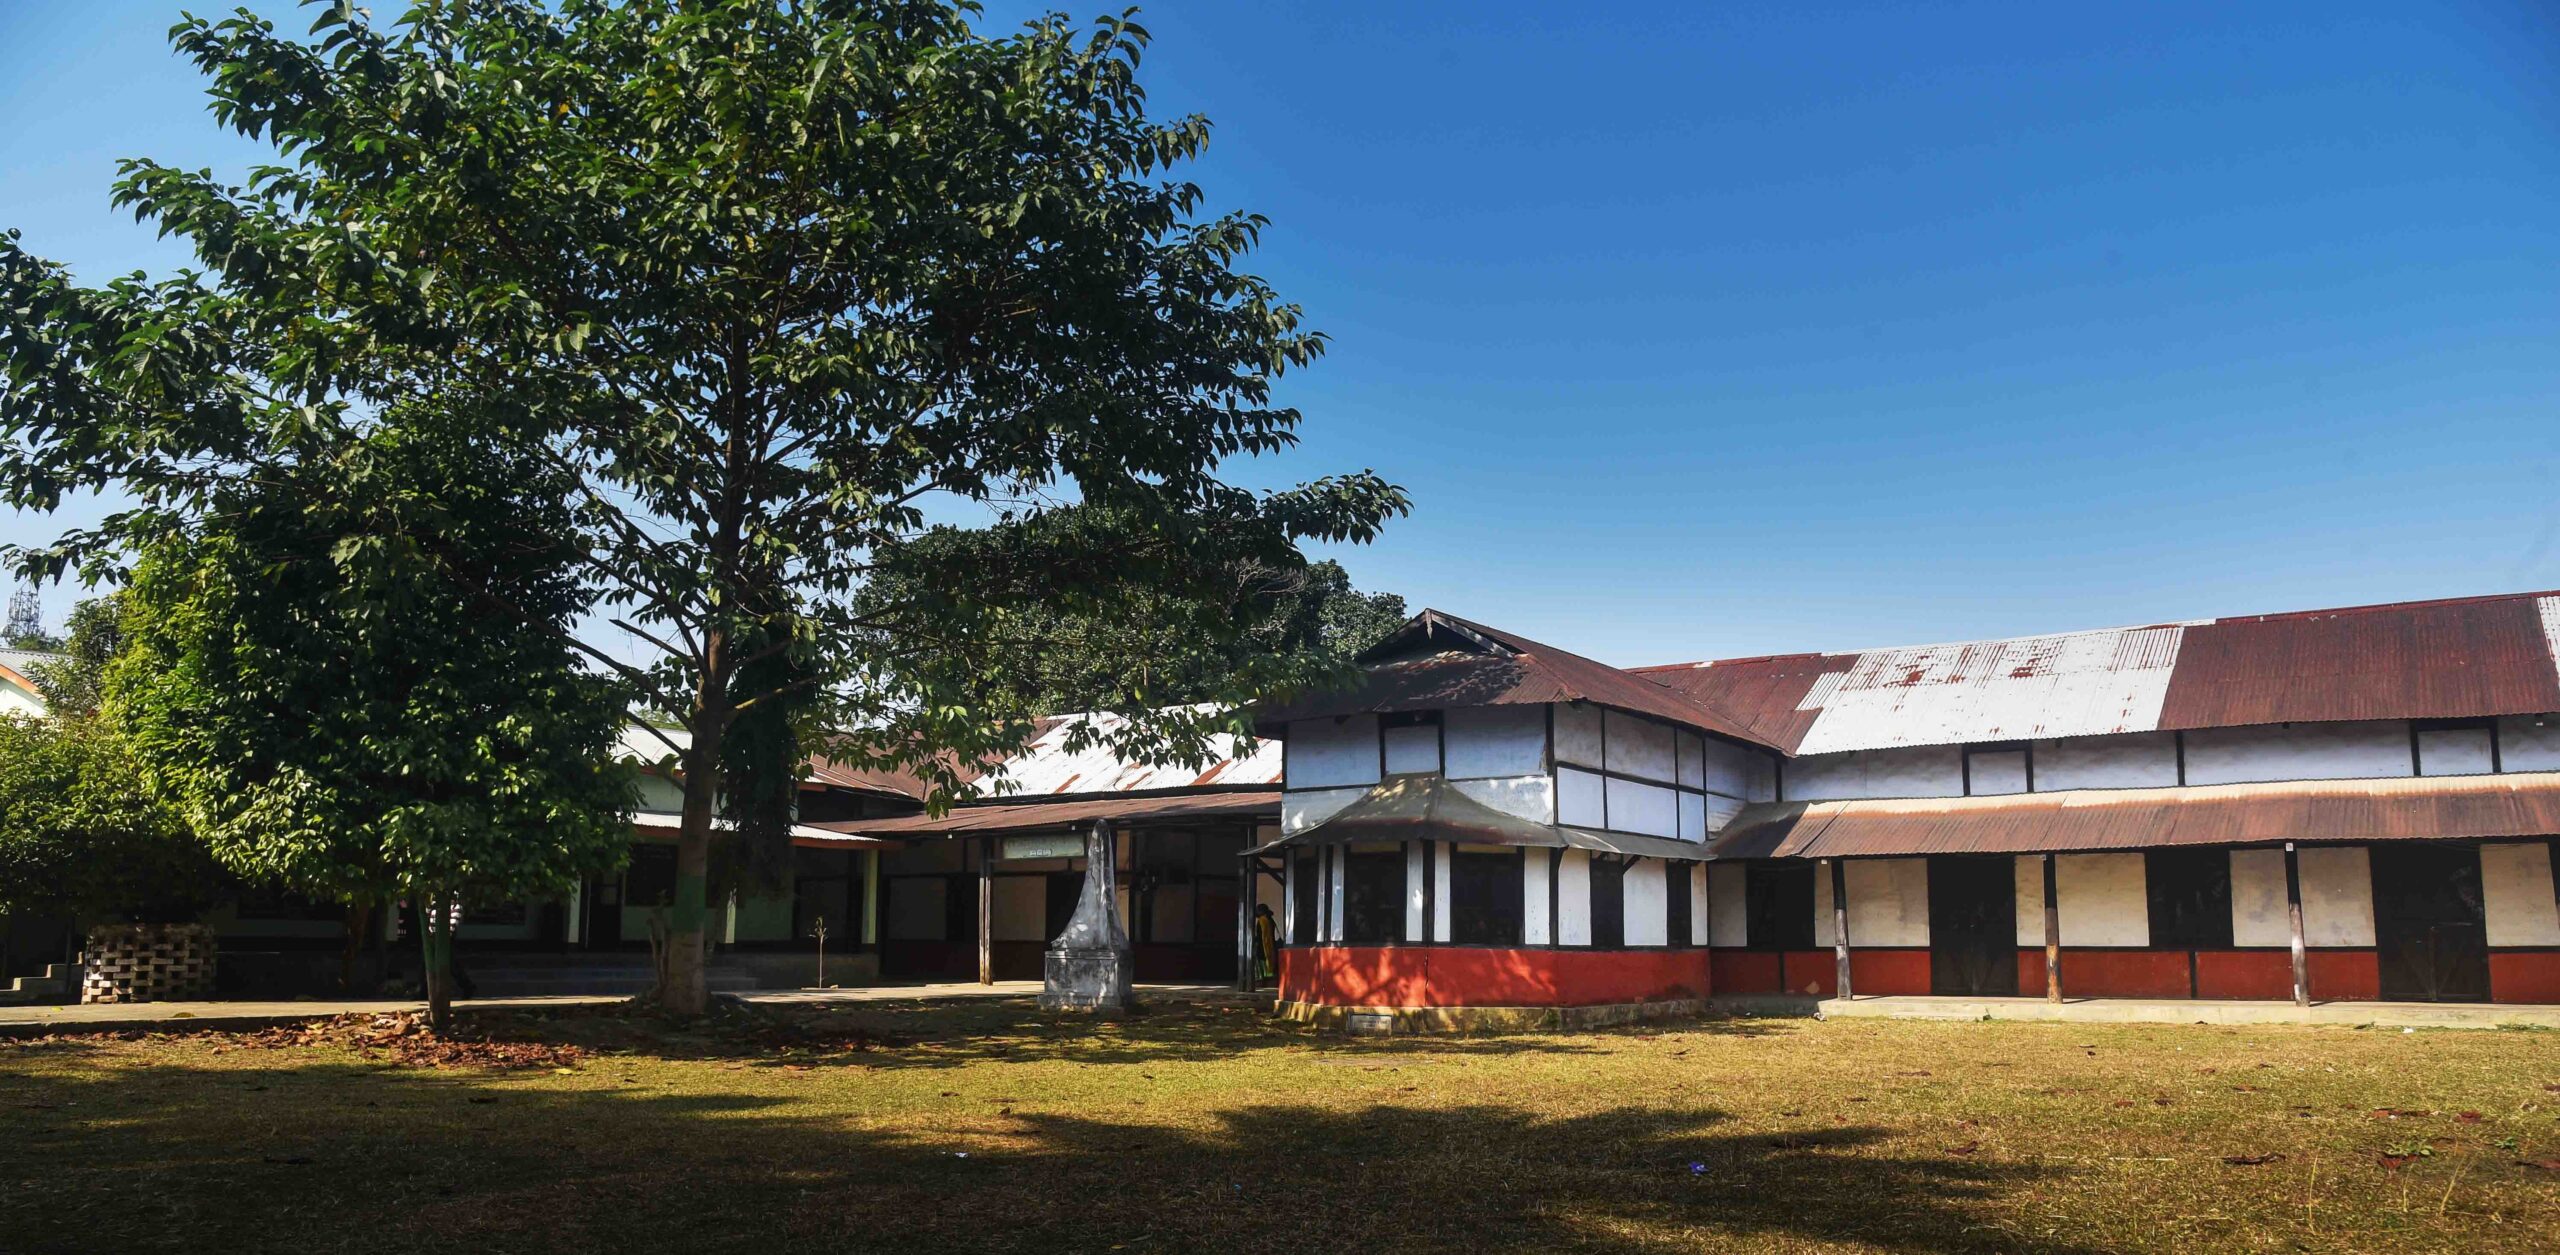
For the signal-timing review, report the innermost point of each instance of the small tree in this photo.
(350, 677)
(80, 836)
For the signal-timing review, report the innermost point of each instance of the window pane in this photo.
(1372, 896)
(1484, 898)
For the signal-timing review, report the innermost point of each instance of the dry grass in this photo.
(983, 1127)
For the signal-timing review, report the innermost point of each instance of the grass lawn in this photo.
(981, 1126)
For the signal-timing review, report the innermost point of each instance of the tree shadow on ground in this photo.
(329, 1155)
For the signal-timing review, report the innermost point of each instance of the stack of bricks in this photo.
(147, 963)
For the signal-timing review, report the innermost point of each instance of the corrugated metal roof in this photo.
(1428, 808)
(1048, 766)
(1484, 666)
(2467, 657)
(2477, 656)
(2417, 808)
(990, 817)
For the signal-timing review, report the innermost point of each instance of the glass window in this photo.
(2190, 897)
(1372, 896)
(1484, 897)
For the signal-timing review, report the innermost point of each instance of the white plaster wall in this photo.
(1888, 903)
(1529, 797)
(1018, 908)
(2516, 884)
(1496, 741)
(1693, 817)
(1533, 898)
(1322, 753)
(2258, 914)
(1578, 733)
(2524, 747)
(1998, 772)
(1731, 769)
(1413, 749)
(2337, 895)
(2453, 752)
(1639, 747)
(1288, 908)
(1693, 759)
(1922, 771)
(1727, 923)
(2304, 751)
(2135, 760)
(1573, 899)
(1300, 811)
(1646, 903)
(2030, 870)
(2102, 900)
(1333, 895)
(1440, 891)
(1651, 809)
(1761, 782)
(1699, 919)
(1578, 798)
(1417, 875)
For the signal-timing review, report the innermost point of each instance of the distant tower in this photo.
(26, 620)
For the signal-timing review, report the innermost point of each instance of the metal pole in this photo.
(986, 911)
(2052, 933)
(2293, 913)
(1839, 925)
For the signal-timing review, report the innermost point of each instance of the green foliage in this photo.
(80, 836)
(759, 282)
(350, 677)
(73, 683)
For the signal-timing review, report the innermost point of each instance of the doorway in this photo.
(2429, 923)
(1973, 926)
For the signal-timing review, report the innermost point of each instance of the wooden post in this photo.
(986, 911)
(1244, 922)
(871, 897)
(1839, 926)
(2293, 913)
(2052, 933)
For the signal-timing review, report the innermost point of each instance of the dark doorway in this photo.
(1608, 902)
(1064, 890)
(604, 912)
(1778, 905)
(1973, 926)
(2429, 923)
(1373, 897)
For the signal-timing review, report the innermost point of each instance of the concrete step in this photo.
(57, 984)
(618, 981)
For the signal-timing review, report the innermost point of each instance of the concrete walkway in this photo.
(182, 1016)
(2195, 1011)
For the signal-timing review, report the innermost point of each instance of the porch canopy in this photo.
(2525, 804)
(1429, 808)
(1004, 815)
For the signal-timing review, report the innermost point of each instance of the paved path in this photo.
(2167, 1011)
(29, 1021)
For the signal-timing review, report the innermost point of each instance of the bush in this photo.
(80, 835)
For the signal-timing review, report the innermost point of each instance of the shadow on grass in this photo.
(117, 1152)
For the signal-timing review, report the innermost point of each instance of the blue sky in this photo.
(1713, 329)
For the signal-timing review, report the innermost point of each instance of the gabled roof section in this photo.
(1438, 660)
(1047, 767)
(2467, 657)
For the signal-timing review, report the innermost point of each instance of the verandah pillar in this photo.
(1245, 894)
(986, 910)
(2052, 933)
(2293, 915)
(1839, 925)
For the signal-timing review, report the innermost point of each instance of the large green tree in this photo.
(343, 673)
(79, 837)
(769, 284)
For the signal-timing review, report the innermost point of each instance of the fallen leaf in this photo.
(1962, 1148)
(2468, 1117)
(2247, 1161)
(2547, 1165)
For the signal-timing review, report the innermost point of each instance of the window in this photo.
(1778, 903)
(1675, 900)
(652, 878)
(2454, 747)
(1305, 883)
(2189, 892)
(1410, 743)
(1608, 901)
(2005, 767)
(1372, 896)
(824, 885)
(1484, 897)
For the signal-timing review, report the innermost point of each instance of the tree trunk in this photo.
(358, 922)
(435, 944)
(684, 991)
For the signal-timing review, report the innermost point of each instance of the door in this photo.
(1973, 926)
(2429, 923)
(604, 913)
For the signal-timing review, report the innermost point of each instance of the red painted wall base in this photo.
(1475, 976)
(2524, 975)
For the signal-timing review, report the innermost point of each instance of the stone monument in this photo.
(1087, 968)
